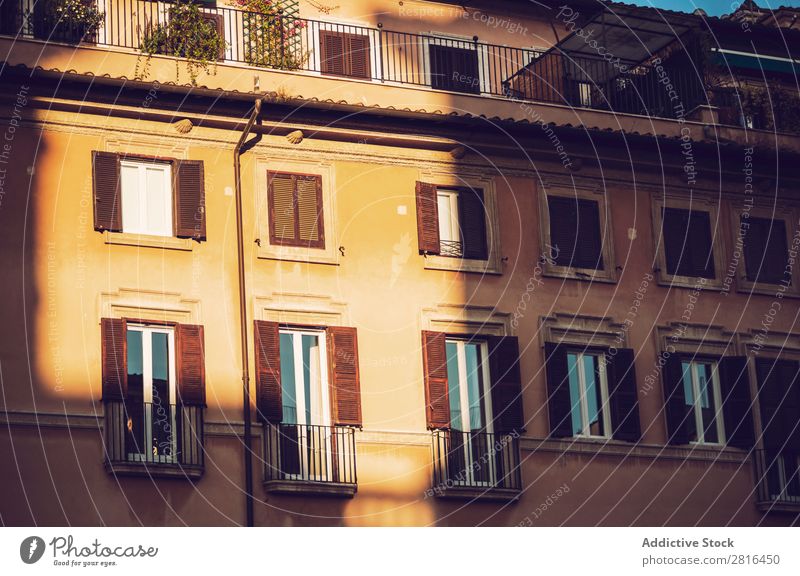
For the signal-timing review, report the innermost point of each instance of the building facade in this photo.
(398, 263)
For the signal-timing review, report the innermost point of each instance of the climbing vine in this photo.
(271, 35)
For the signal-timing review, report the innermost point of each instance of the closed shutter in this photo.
(427, 218)
(765, 250)
(623, 396)
(114, 339)
(506, 385)
(282, 209)
(10, 17)
(358, 56)
(454, 69)
(700, 245)
(345, 385)
(434, 369)
(678, 413)
(295, 209)
(779, 398)
(190, 200)
(473, 224)
(687, 243)
(106, 189)
(190, 364)
(736, 401)
(575, 232)
(589, 243)
(332, 52)
(563, 229)
(559, 403)
(269, 399)
(308, 190)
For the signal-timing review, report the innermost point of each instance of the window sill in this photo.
(433, 262)
(148, 470)
(582, 274)
(777, 505)
(298, 254)
(478, 493)
(145, 241)
(304, 488)
(763, 289)
(689, 282)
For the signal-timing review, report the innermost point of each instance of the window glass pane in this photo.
(131, 213)
(311, 380)
(288, 387)
(160, 408)
(134, 402)
(594, 400)
(135, 368)
(707, 402)
(445, 217)
(575, 394)
(453, 386)
(477, 418)
(159, 217)
(688, 393)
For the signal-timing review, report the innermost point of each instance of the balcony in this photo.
(147, 439)
(777, 481)
(378, 55)
(310, 459)
(476, 465)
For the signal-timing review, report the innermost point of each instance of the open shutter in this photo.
(343, 366)
(473, 224)
(190, 364)
(114, 337)
(427, 218)
(106, 189)
(736, 401)
(699, 248)
(434, 368)
(332, 52)
(589, 241)
(309, 211)
(282, 209)
(268, 372)
(506, 384)
(563, 229)
(678, 413)
(559, 404)
(358, 56)
(623, 396)
(190, 200)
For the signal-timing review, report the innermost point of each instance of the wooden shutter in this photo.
(454, 68)
(589, 239)
(358, 56)
(434, 369)
(563, 228)
(114, 339)
(678, 413)
(295, 209)
(190, 200)
(106, 189)
(559, 403)
(765, 250)
(269, 400)
(623, 396)
(575, 232)
(191, 366)
(308, 190)
(10, 17)
(332, 52)
(779, 398)
(427, 218)
(472, 214)
(688, 246)
(506, 385)
(344, 375)
(736, 401)
(282, 209)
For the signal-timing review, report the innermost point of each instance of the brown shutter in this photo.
(427, 218)
(191, 367)
(559, 402)
(737, 404)
(10, 17)
(308, 189)
(282, 209)
(434, 368)
(106, 188)
(623, 396)
(506, 385)
(678, 413)
(269, 399)
(332, 56)
(358, 56)
(343, 367)
(113, 334)
(473, 224)
(190, 200)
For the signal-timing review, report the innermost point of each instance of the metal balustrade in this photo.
(777, 478)
(475, 460)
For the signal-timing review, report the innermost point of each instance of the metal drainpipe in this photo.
(248, 457)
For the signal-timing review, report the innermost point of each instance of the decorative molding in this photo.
(757, 342)
(155, 144)
(304, 309)
(678, 338)
(151, 305)
(460, 319)
(582, 330)
(145, 241)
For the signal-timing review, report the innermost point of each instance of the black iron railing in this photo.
(376, 54)
(451, 248)
(154, 434)
(475, 460)
(777, 477)
(309, 453)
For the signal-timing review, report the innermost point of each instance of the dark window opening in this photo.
(688, 246)
(575, 232)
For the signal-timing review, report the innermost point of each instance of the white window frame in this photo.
(463, 393)
(605, 408)
(697, 409)
(303, 438)
(141, 198)
(147, 392)
(447, 40)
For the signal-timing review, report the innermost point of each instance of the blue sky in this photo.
(713, 7)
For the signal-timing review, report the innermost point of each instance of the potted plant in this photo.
(70, 21)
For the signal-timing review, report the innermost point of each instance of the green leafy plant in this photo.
(771, 108)
(271, 35)
(188, 33)
(67, 20)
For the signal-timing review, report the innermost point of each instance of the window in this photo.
(295, 210)
(765, 250)
(151, 400)
(575, 232)
(452, 221)
(588, 389)
(701, 392)
(454, 66)
(146, 198)
(688, 247)
(584, 94)
(345, 54)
